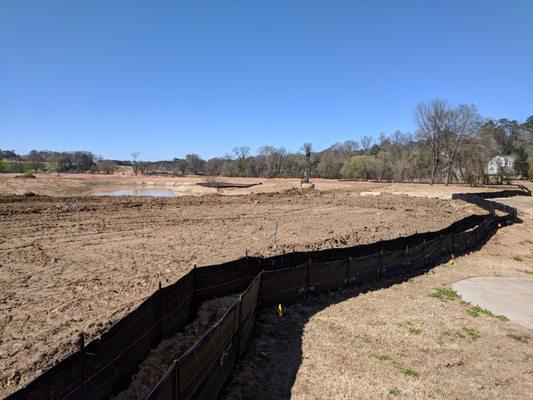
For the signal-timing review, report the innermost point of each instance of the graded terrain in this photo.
(66, 270)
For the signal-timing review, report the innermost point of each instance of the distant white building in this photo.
(499, 164)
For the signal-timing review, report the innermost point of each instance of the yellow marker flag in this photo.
(279, 310)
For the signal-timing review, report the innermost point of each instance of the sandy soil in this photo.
(65, 271)
(397, 341)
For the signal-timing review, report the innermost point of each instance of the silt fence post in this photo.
(380, 263)
(239, 327)
(307, 277)
(82, 364)
(405, 257)
(159, 322)
(176, 382)
(424, 247)
(348, 266)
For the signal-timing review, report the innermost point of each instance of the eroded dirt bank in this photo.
(64, 271)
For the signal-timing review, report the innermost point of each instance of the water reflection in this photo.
(136, 192)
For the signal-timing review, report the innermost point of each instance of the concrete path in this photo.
(509, 296)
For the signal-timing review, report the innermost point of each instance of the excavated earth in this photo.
(66, 270)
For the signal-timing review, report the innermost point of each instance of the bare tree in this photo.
(36, 160)
(348, 148)
(272, 160)
(432, 120)
(241, 155)
(135, 164)
(195, 164)
(366, 142)
(464, 122)
(241, 152)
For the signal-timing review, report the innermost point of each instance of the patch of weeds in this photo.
(519, 338)
(518, 258)
(476, 311)
(415, 331)
(472, 332)
(424, 350)
(462, 302)
(526, 271)
(527, 357)
(406, 371)
(528, 241)
(410, 372)
(381, 357)
(394, 391)
(444, 294)
(496, 254)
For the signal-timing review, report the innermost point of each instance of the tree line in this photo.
(450, 144)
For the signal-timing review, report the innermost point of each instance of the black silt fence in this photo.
(203, 370)
(105, 366)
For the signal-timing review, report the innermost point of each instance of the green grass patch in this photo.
(526, 271)
(444, 294)
(528, 241)
(410, 372)
(415, 331)
(518, 258)
(528, 357)
(5, 166)
(381, 357)
(424, 350)
(472, 332)
(519, 338)
(476, 311)
(394, 391)
(496, 254)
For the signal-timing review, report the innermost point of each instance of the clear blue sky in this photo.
(168, 78)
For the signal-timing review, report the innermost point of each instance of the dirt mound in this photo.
(25, 176)
(227, 185)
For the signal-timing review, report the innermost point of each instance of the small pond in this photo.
(136, 192)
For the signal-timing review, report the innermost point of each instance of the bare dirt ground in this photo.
(411, 338)
(63, 271)
(86, 184)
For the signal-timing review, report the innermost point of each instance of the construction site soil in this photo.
(79, 266)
